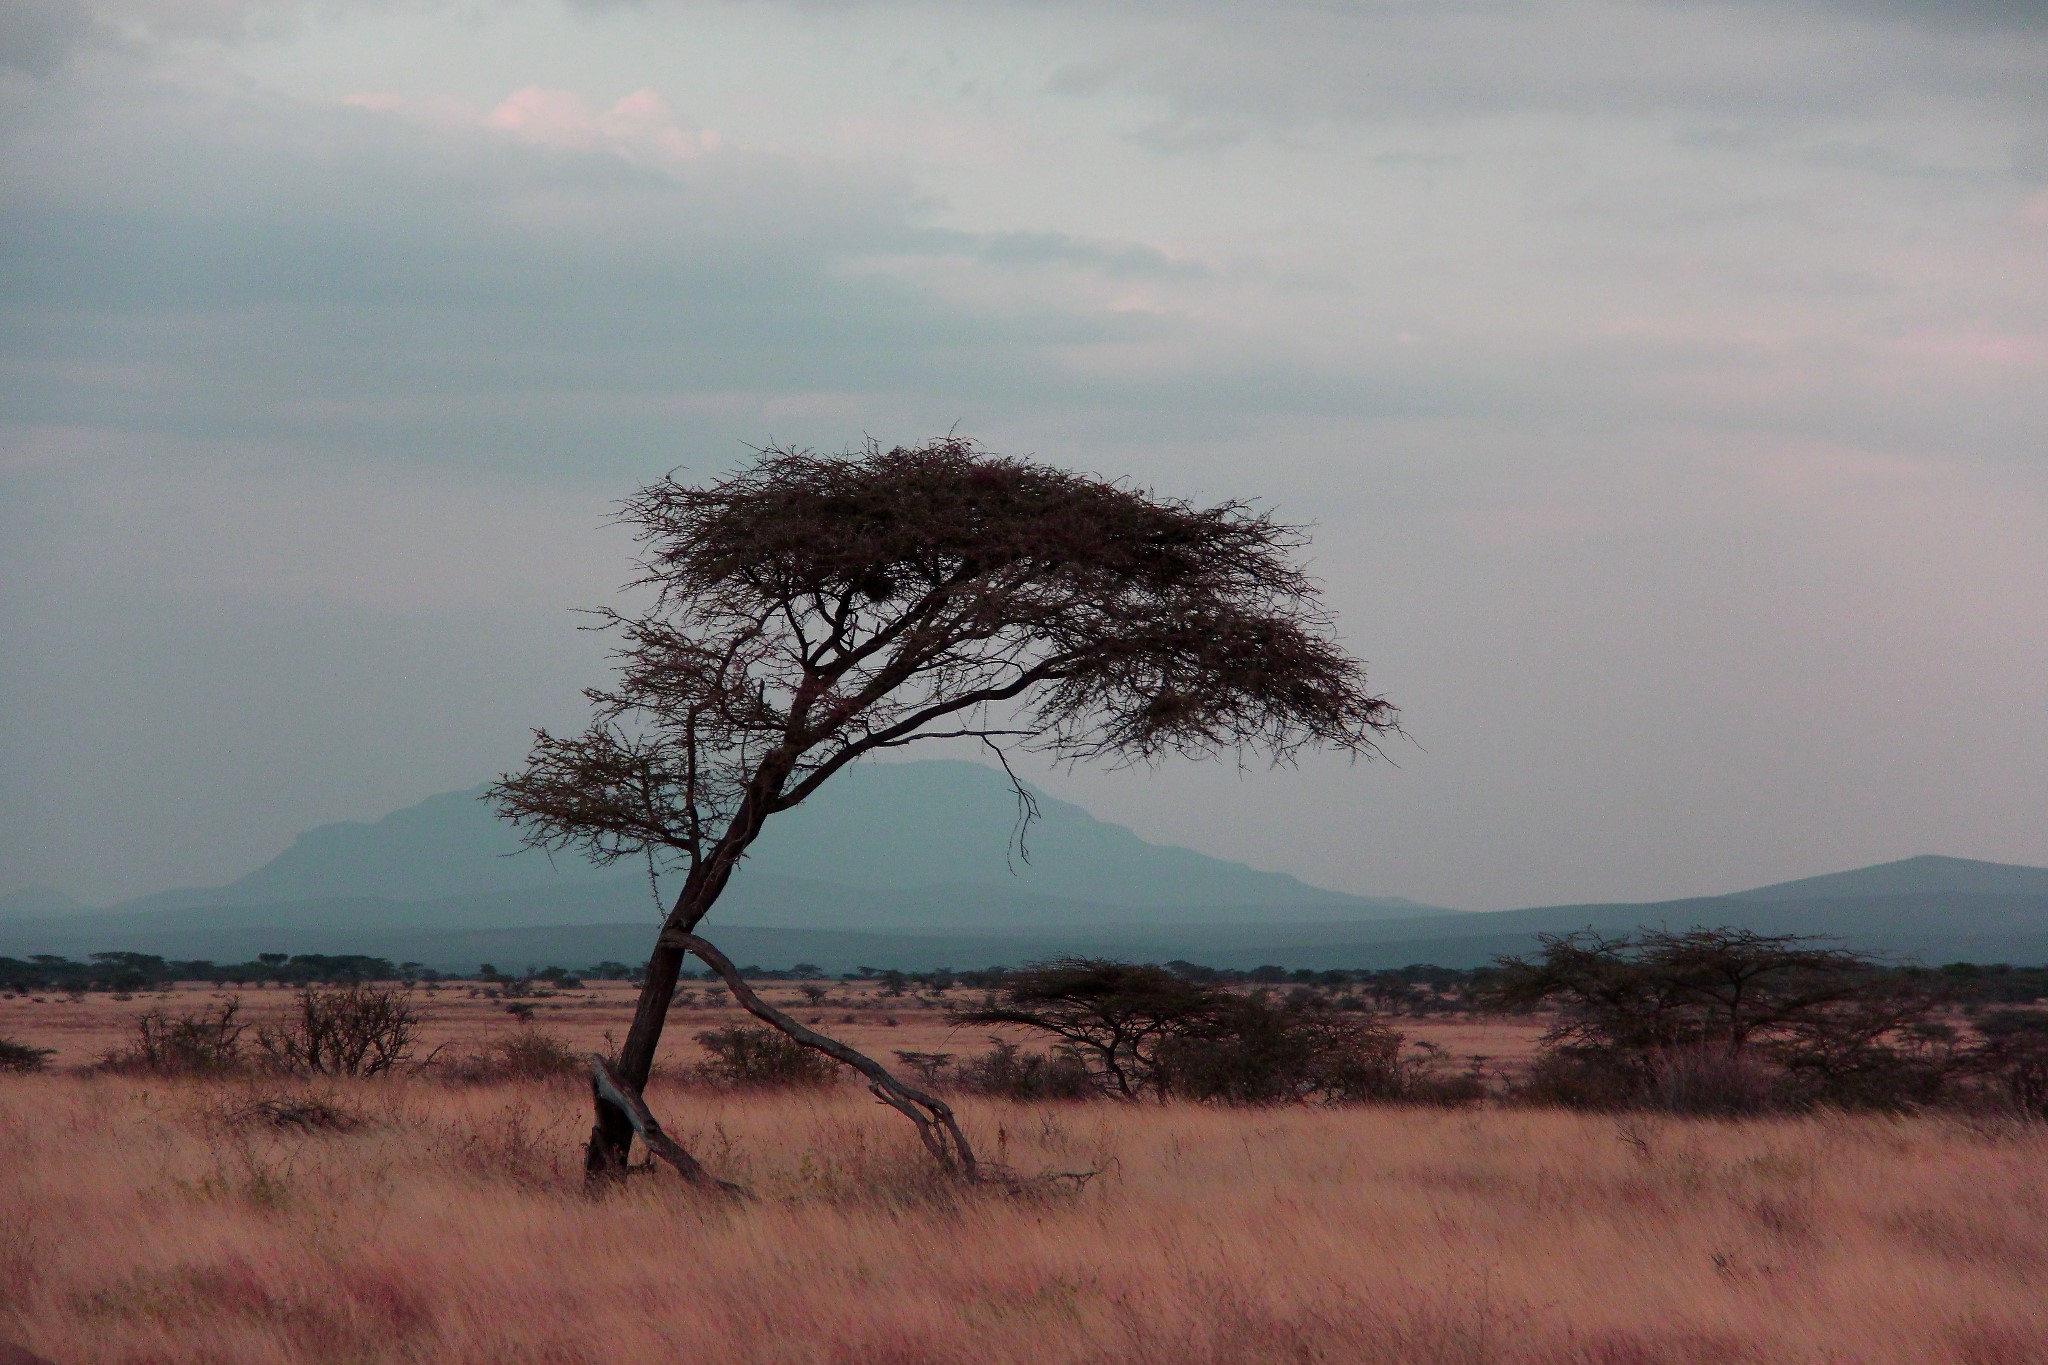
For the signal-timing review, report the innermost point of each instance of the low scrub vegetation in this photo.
(358, 1030)
(1724, 1021)
(745, 1056)
(21, 1057)
(204, 1041)
(526, 1053)
(1133, 1032)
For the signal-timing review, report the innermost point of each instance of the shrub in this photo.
(1008, 1072)
(746, 1057)
(1141, 1030)
(525, 1054)
(2013, 1058)
(21, 1057)
(1710, 1083)
(1114, 1016)
(1256, 1052)
(199, 1043)
(1726, 1021)
(358, 1030)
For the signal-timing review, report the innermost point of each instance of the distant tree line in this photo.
(1417, 989)
(1728, 1021)
(124, 971)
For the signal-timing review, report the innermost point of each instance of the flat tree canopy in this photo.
(809, 610)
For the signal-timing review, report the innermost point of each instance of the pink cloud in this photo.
(641, 127)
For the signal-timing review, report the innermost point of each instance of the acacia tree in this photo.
(807, 611)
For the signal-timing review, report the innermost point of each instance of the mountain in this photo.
(905, 846)
(950, 824)
(1925, 875)
(913, 865)
(446, 845)
(893, 826)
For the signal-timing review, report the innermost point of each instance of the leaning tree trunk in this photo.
(612, 1136)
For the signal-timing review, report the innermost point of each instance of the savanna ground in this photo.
(174, 1220)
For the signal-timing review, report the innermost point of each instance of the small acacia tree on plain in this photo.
(1721, 1020)
(808, 611)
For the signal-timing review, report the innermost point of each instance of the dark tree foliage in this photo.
(21, 1057)
(1114, 1016)
(2013, 1056)
(810, 611)
(742, 1057)
(1253, 1051)
(1723, 1019)
(129, 971)
(1150, 1031)
(1659, 990)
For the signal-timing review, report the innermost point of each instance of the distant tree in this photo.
(1115, 1016)
(808, 612)
(1657, 989)
(1148, 1031)
(1684, 1015)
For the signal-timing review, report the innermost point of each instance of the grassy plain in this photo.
(151, 1220)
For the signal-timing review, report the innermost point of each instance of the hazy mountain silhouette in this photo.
(913, 865)
(881, 846)
(948, 823)
(1925, 875)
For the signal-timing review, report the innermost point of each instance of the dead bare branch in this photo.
(609, 1089)
(936, 1127)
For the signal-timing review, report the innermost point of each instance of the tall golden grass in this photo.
(150, 1220)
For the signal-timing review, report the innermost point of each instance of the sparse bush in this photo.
(1709, 1083)
(295, 1113)
(2013, 1058)
(1008, 1072)
(930, 1067)
(358, 1030)
(198, 1043)
(1114, 1016)
(745, 1057)
(525, 1054)
(21, 1057)
(1727, 1022)
(1141, 1030)
(1256, 1052)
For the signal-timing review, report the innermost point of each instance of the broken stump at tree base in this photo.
(608, 1089)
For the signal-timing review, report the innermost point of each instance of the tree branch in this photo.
(934, 1119)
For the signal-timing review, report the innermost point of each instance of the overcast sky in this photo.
(1667, 384)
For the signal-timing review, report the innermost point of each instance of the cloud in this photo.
(36, 35)
(1666, 381)
(1232, 73)
(639, 128)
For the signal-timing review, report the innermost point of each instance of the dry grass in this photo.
(181, 1222)
(415, 1220)
(465, 1020)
